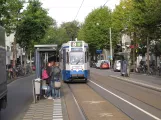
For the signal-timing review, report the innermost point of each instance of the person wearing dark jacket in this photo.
(56, 79)
(49, 72)
(54, 76)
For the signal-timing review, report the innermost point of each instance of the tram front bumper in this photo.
(77, 74)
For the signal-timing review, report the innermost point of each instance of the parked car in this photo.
(117, 65)
(105, 65)
(98, 64)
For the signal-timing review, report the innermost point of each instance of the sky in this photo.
(66, 10)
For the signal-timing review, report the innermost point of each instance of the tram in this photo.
(74, 61)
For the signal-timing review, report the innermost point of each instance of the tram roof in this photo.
(44, 48)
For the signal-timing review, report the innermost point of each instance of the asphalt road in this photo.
(142, 77)
(137, 102)
(19, 99)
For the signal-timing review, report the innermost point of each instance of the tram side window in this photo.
(67, 57)
(86, 57)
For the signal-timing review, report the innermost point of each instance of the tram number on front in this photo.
(76, 44)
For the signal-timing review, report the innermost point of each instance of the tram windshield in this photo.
(76, 58)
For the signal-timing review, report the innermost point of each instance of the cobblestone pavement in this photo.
(45, 110)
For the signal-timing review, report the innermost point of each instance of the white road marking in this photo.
(106, 115)
(57, 110)
(149, 114)
(93, 102)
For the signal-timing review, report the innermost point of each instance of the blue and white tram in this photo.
(74, 61)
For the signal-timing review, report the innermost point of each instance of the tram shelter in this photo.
(43, 54)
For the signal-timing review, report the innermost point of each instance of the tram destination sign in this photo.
(76, 49)
(76, 44)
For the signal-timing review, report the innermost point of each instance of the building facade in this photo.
(9, 48)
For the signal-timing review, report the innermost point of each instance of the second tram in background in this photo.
(74, 61)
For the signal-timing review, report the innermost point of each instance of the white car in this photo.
(117, 65)
(98, 64)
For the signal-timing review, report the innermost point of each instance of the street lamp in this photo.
(111, 57)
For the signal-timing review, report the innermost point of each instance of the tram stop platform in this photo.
(46, 109)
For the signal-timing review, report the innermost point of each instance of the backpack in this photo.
(45, 75)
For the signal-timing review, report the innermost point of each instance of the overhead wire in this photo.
(79, 9)
(106, 2)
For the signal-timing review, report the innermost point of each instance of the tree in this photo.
(62, 36)
(147, 17)
(56, 35)
(33, 25)
(95, 30)
(10, 13)
(71, 29)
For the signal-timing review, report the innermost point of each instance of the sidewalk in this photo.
(45, 110)
(152, 82)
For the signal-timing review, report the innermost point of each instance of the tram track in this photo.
(83, 115)
(134, 97)
(92, 106)
(133, 101)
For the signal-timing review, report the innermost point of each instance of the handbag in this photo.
(57, 84)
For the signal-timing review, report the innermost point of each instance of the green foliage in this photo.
(62, 37)
(148, 12)
(59, 35)
(139, 16)
(55, 36)
(71, 29)
(95, 30)
(10, 13)
(33, 25)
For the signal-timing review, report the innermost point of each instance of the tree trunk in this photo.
(148, 53)
(134, 52)
(21, 57)
(30, 59)
(25, 62)
(14, 53)
(14, 57)
(30, 62)
(156, 61)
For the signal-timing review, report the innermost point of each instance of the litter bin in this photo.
(36, 89)
(124, 68)
(37, 85)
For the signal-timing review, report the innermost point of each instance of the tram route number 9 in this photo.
(76, 44)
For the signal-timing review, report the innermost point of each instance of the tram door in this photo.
(64, 59)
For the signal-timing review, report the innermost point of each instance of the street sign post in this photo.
(99, 51)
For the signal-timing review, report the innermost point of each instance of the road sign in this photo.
(99, 51)
(110, 57)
